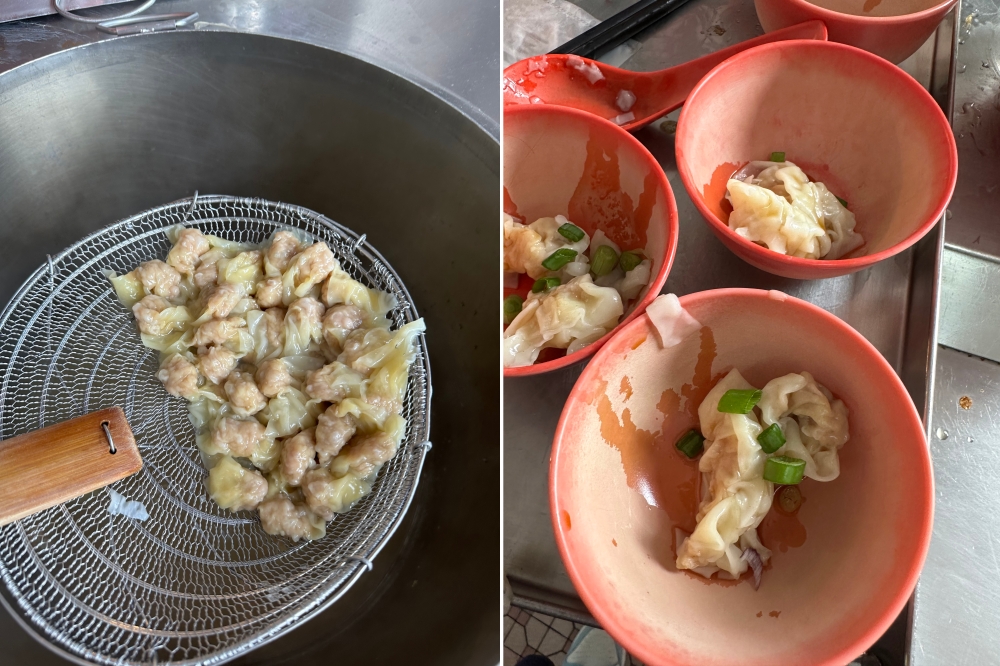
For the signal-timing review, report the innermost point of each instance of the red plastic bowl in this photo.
(842, 568)
(560, 161)
(848, 118)
(893, 29)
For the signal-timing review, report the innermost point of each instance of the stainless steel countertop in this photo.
(448, 46)
(955, 617)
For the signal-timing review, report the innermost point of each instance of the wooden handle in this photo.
(53, 465)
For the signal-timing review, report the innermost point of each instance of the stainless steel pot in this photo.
(99, 132)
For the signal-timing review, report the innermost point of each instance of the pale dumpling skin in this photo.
(184, 255)
(269, 293)
(216, 363)
(244, 337)
(160, 279)
(282, 517)
(569, 317)
(273, 377)
(217, 331)
(284, 246)
(221, 300)
(148, 317)
(790, 215)
(243, 394)
(525, 247)
(298, 456)
(179, 376)
(322, 385)
(207, 272)
(736, 497)
(359, 343)
(235, 487)
(332, 433)
(238, 437)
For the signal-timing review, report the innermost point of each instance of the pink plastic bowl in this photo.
(848, 118)
(560, 161)
(892, 29)
(843, 567)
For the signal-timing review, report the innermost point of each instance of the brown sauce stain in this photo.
(774, 613)
(638, 343)
(614, 543)
(760, 613)
(567, 523)
(600, 203)
(626, 388)
(715, 192)
(781, 530)
(510, 207)
(870, 5)
(965, 402)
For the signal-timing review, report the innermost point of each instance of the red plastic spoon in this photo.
(581, 83)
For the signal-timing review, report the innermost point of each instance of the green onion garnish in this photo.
(777, 157)
(784, 470)
(842, 202)
(559, 258)
(603, 260)
(571, 232)
(691, 443)
(629, 260)
(511, 308)
(739, 401)
(545, 283)
(771, 439)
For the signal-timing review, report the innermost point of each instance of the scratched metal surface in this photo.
(893, 304)
(956, 619)
(451, 48)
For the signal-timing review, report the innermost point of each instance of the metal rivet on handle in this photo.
(107, 433)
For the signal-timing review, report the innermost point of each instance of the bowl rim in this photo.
(824, 13)
(826, 267)
(891, 605)
(673, 230)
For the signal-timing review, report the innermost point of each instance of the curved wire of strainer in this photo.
(193, 584)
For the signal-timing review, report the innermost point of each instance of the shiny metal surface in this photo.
(956, 620)
(893, 305)
(95, 134)
(449, 47)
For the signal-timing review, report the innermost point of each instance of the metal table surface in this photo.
(892, 304)
(448, 47)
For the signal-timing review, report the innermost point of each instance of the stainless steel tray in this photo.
(893, 304)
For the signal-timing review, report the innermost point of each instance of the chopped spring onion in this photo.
(603, 261)
(784, 470)
(739, 401)
(777, 157)
(691, 443)
(511, 308)
(559, 258)
(790, 499)
(629, 260)
(544, 284)
(772, 438)
(842, 201)
(571, 232)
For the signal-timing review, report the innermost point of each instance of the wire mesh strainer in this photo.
(193, 583)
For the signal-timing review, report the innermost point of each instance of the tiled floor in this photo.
(533, 633)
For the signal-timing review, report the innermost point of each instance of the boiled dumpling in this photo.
(786, 212)
(525, 247)
(815, 426)
(735, 497)
(569, 316)
(235, 487)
